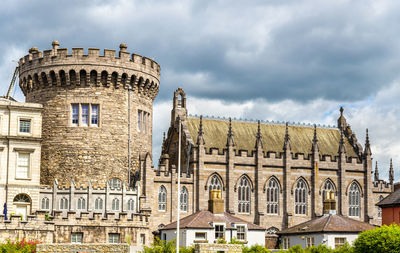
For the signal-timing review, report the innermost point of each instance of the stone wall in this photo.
(84, 247)
(100, 151)
(214, 248)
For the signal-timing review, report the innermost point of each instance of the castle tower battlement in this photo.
(93, 106)
(55, 67)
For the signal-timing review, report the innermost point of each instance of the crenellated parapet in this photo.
(55, 67)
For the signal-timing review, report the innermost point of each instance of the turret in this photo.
(342, 120)
(179, 106)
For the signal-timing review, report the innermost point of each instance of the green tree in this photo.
(383, 239)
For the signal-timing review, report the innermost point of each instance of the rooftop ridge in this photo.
(270, 122)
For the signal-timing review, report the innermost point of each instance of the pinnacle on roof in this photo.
(286, 144)
(376, 173)
(230, 141)
(367, 150)
(342, 148)
(200, 138)
(258, 136)
(315, 146)
(391, 172)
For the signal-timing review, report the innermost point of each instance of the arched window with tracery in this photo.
(162, 198)
(131, 205)
(214, 184)
(244, 195)
(64, 204)
(184, 199)
(115, 183)
(45, 203)
(354, 200)
(98, 204)
(379, 208)
(115, 204)
(81, 204)
(300, 197)
(272, 196)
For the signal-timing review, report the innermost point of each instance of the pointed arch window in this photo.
(379, 208)
(244, 196)
(272, 196)
(98, 204)
(328, 187)
(81, 204)
(115, 204)
(215, 184)
(184, 199)
(300, 197)
(45, 203)
(131, 205)
(64, 204)
(162, 198)
(354, 200)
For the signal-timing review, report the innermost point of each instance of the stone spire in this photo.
(163, 143)
(342, 120)
(230, 141)
(315, 147)
(259, 137)
(286, 144)
(367, 151)
(391, 172)
(200, 137)
(376, 173)
(342, 148)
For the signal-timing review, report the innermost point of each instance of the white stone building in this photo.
(20, 135)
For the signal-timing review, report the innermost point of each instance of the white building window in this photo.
(25, 126)
(219, 231)
(45, 203)
(142, 239)
(354, 200)
(64, 204)
(244, 196)
(310, 242)
(162, 198)
(215, 184)
(300, 198)
(241, 233)
(200, 236)
(85, 114)
(98, 204)
(131, 205)
(115, 204)
(379, 208)
(113, 238)
(23, 162)
(273, 197)
(115, 183)
(76, 237)
(286, 243)
(184, 199)
(339, 242)
(81, 204)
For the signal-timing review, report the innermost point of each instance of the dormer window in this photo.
(219, 232)
(241, 232)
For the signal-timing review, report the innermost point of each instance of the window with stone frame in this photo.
(200, 236)
(241, 232)
(219, 231)
(23, 165)
(300, 197)
(131, 205)
(25, 126)
(379, 208)
(45, 203)
(286, 243)
(81, 204)
(64, 204)
(139, 120)
(115, 204)
(113, 237)
(354, 200)
(272, 196)
(115, 183)
(162, 198)
(214, 184)
(98, 204)
(244, 195)
(184, 199)
(76, 238)
(85, 115)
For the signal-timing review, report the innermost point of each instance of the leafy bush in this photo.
(383, 239)
(234, 240)
(159, 246)
(23, 246)
(255, 249)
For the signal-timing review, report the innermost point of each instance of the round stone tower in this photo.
(87, 117)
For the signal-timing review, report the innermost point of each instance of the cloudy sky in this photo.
(273, 60)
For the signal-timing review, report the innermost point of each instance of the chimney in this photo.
(216, 203)
(330, 203)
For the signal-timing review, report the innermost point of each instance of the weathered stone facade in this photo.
(92, 247)
(256, 153)
(91, 142)
(214, 248)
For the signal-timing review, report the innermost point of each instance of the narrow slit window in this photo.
(95, 115)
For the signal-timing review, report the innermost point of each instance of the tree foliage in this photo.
(383, 239)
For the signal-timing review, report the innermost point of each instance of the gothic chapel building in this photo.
(275, 175)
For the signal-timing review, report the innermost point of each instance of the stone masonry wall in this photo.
(69, 247)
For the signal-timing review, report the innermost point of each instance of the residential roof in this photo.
(329, 223)
(301, 137)
(203, 219)
(392, 199)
